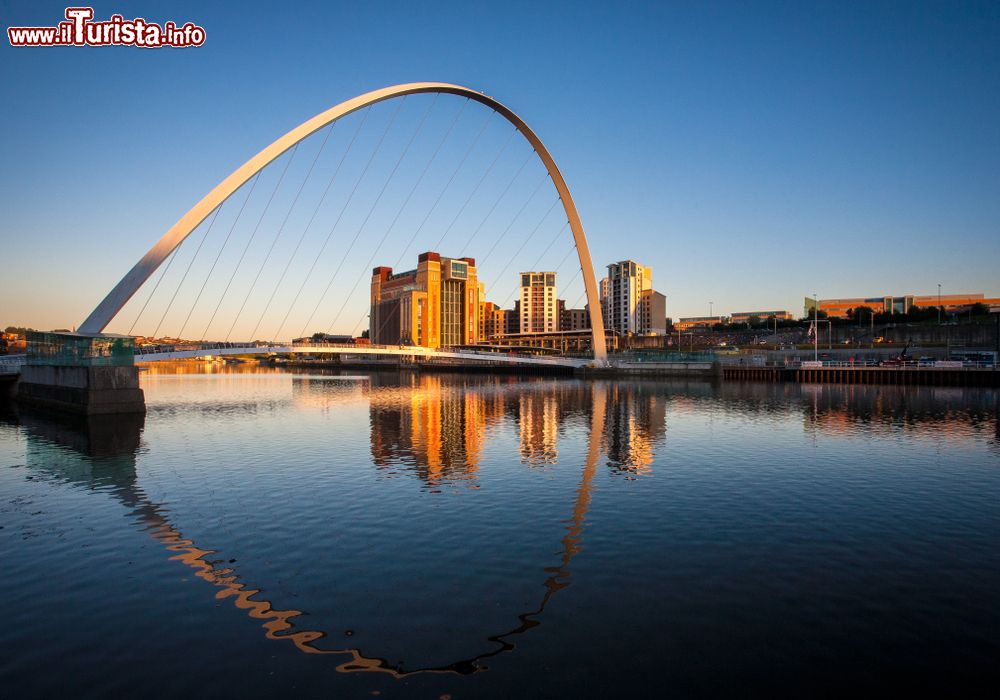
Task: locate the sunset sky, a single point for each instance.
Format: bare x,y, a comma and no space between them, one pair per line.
751,153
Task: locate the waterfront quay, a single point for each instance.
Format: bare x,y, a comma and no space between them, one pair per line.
835,373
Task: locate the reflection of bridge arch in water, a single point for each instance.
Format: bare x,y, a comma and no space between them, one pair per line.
280,625
109,307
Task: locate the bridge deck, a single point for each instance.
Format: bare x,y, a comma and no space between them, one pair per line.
229,349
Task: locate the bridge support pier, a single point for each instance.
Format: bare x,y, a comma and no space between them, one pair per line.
82,374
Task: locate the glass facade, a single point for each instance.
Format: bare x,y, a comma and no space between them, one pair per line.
420,321
452,312
75,350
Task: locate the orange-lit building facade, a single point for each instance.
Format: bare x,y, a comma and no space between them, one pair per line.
838,308
492,321
435,428
683,324
435,305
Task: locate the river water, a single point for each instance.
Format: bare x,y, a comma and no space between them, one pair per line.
262,532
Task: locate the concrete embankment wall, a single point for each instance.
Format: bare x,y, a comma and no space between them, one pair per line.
925,376
705,370
84,390
8,386
437,367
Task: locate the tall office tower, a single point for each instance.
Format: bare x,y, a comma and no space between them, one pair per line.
629,303
539,308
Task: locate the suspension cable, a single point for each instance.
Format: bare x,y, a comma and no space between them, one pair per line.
559,265
402,208
253,234
528,238
364,222
253,186
489,213
535,266
278,234
343,209
476,188
399,212
309,223
579,298
549,246
524,206
188,269
163,273
419,228
440,195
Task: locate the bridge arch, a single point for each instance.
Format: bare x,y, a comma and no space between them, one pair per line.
109,307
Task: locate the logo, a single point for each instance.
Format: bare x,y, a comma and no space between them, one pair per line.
79,29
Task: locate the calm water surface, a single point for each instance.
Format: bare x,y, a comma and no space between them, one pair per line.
262,532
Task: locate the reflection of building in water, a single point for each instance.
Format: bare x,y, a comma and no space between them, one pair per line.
438,429
634,424
538,427
327,392
950,414
106,449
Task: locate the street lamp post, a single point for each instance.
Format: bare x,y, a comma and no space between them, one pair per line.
939,303
815,327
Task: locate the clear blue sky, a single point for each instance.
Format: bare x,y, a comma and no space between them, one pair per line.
751,153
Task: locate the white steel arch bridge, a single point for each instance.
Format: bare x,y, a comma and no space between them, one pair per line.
407,351
130,284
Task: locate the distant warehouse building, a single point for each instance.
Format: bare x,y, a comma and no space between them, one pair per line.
838,308
745,316
683,324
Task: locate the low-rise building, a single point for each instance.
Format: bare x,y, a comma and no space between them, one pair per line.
683,324
838,308
492,322
575,320
747,316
